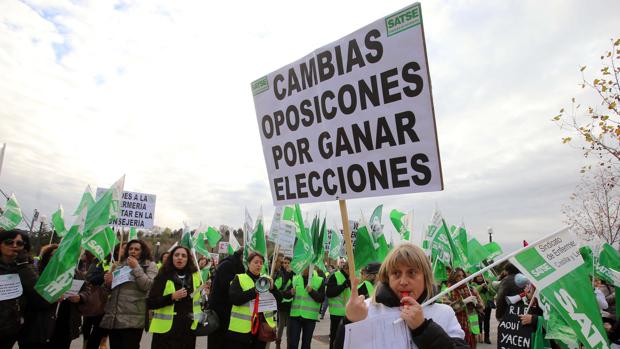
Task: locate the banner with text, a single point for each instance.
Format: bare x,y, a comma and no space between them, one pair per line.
137,209
352,119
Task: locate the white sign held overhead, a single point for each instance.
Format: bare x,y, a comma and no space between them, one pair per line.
137,209
353,118
222,247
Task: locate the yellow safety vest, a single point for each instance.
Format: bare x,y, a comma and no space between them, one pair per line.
303,305
338,304
162,317
241,315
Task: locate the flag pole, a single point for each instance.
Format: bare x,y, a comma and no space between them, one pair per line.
347,237
501,260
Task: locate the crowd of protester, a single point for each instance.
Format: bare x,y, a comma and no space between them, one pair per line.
254,305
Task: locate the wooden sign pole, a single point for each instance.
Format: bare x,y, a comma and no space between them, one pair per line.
347,237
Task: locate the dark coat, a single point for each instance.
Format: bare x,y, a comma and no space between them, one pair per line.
507,287
428,336
50,322
220,285
286,292
12,311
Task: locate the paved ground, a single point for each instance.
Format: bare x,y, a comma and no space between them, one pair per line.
320,340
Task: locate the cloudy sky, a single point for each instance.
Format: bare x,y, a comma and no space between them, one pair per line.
159,91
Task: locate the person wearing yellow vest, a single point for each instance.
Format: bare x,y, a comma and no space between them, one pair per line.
284,283
305,309
175,299
241,294
369,273
338,292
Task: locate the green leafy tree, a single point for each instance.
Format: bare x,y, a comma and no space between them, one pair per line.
598,125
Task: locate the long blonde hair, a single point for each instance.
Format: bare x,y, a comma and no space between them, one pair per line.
412,256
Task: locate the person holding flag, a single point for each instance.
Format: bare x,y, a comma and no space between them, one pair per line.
338,291
17,275
126,308
175,298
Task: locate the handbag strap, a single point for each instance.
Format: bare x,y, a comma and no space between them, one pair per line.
255,319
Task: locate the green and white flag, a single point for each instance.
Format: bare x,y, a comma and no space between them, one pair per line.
58,221
555,266
438,243
377,232
199,243
133,234
335,245
57,276
186,239
233,244
400,220
258,243
87,201
12,215
365,250
319,240
98,237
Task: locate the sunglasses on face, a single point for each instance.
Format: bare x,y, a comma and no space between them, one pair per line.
18,243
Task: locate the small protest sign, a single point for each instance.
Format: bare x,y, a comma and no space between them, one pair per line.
511,334
136,209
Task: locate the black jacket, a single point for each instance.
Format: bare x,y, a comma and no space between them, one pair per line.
12,311
220,285
507,287
428,336
285,292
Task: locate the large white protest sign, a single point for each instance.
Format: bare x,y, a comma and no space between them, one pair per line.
137,209
353,118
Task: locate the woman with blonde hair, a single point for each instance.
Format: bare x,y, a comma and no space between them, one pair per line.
404,282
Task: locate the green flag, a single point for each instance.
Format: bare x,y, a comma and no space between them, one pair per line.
57,276
101,244
556,328
493,249
319,237
58,222
12,215
398,220
87,201
365,246
186,239
335,245
555,266
476,253
213,236
438,241
103,210
303,252
133,234
198,242
377,232
97,236
258,242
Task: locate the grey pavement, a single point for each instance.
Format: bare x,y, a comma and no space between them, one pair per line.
320,340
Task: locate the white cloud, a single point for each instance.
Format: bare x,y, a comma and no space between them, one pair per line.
160,91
